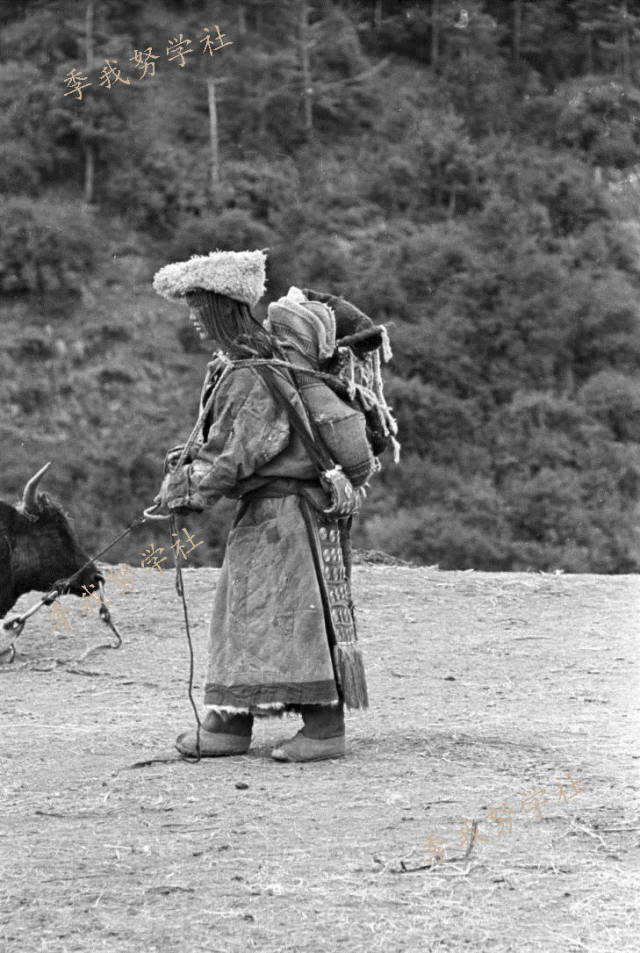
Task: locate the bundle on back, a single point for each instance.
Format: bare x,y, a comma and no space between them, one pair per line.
326,332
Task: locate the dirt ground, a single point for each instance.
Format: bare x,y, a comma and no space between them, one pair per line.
486,690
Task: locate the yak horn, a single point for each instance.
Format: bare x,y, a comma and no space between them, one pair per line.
30,490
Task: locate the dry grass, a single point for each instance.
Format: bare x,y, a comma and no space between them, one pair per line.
482,686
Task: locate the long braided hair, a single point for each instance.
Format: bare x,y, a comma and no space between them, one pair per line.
232,326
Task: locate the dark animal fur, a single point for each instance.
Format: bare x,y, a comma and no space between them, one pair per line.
35,554
354,328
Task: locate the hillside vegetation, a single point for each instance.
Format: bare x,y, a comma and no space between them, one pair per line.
465,175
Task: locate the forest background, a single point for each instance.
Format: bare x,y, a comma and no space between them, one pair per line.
466,173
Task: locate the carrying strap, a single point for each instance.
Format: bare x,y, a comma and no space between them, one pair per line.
305,428
344,499
207,404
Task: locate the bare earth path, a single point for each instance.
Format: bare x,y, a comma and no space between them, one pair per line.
482,687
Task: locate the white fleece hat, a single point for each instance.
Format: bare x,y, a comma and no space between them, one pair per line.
236,274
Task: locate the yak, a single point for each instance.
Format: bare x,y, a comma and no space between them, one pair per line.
39,549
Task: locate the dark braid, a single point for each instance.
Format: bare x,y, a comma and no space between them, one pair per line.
231,324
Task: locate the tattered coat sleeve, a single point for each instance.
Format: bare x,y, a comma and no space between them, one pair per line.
247,431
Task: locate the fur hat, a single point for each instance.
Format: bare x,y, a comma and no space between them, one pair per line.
236,274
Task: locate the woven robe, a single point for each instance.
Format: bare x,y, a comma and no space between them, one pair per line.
283,597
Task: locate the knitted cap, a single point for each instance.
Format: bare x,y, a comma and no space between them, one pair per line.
236,274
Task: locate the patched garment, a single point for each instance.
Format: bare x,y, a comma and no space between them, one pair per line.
283,597
268,641
247,439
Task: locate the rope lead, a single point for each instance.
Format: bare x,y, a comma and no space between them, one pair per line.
180,591
18,622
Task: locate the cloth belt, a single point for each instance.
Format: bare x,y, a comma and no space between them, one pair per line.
285,486
282,486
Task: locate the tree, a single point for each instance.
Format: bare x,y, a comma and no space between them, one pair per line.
305,66
466,173
89,147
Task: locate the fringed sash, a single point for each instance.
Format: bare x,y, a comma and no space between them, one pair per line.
330,545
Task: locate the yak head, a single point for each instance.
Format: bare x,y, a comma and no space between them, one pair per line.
42,547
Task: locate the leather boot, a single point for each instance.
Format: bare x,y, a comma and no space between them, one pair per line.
321,737
322,721
221,735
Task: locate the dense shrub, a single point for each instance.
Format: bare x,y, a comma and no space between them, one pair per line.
265,190
432,534
45,245
159,188
17,169
614,399
228,230
477,191
599,116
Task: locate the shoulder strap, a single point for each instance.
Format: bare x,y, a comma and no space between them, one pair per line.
344,501
206,405
305,429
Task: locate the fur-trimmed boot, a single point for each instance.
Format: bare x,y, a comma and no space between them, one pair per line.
322,736
221,735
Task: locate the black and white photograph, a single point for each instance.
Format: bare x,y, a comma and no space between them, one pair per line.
320,476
